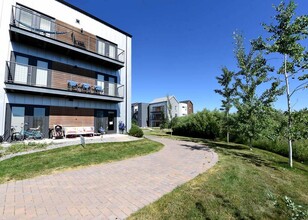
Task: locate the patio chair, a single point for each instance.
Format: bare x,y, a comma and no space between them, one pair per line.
85,87
98,89
72,85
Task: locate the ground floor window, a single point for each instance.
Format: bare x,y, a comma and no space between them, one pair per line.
23,117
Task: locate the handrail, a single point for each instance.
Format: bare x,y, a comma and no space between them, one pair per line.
65,34
18,73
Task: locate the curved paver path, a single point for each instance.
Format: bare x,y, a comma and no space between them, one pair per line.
107,191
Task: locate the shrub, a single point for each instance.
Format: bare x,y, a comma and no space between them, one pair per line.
280,146
135,131
205,124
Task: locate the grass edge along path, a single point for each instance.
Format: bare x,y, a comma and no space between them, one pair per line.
72,157
244,184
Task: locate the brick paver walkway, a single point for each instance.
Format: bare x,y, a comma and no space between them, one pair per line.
107,191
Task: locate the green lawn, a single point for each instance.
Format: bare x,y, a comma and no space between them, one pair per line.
47,162
244,184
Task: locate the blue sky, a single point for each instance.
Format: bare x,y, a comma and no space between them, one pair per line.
180,46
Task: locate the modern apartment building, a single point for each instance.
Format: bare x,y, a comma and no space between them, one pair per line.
182,109
152,114
186,108
162,108
140,114
62,65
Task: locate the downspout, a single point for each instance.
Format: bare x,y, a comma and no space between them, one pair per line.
126,120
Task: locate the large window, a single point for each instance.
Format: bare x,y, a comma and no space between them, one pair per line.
41,73
106,48
17,118
34,21
28,116
21,70
35,74
39,118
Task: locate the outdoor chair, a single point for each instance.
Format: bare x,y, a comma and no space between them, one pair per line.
98,89
72,85
85,87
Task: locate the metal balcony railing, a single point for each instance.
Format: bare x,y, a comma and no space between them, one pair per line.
21,74
34,22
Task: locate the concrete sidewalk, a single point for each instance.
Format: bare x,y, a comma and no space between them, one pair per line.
107,191
58,143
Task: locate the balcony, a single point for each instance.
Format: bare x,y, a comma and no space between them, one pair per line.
35,29
32,79
157,110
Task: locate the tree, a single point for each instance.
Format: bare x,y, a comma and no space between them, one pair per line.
286,37
227,92
251,104
171,120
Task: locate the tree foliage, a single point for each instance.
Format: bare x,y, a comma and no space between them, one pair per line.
286,36
204,124
252,105
227,92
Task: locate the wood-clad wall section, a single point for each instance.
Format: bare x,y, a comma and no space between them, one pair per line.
75,117
75,36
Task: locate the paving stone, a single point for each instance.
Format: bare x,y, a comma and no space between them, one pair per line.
106,191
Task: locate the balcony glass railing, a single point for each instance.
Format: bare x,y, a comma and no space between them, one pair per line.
55,29
23,74
157,109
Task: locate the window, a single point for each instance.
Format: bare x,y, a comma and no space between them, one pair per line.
34,21
101,47
106,48
112,86
21,70
35,74
41,73
38,118
18,118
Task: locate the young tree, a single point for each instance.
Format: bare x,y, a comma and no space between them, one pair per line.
251,104
227,92
286,37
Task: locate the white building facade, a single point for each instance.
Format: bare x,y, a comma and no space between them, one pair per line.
61,65
182,109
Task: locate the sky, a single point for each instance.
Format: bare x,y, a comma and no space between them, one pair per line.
180,46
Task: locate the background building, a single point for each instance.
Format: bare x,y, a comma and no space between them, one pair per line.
61,65
154,113
162,108
140,114
187,107
182,109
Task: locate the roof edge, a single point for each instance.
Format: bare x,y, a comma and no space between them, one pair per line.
93,17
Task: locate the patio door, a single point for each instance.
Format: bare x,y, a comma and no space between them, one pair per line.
17,118
41,73
21,70
39,118
112,86
111,121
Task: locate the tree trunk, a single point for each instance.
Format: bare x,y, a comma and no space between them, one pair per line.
250,143
289,111
228,126
228,137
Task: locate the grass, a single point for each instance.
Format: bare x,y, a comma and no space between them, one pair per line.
47,162
280,146
243,185
22,147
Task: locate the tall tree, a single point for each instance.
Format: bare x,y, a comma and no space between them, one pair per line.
287,34
227,92
251,102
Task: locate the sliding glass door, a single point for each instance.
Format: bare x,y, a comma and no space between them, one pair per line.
41,73
21,70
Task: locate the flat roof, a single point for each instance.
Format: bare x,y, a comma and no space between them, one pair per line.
92,16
